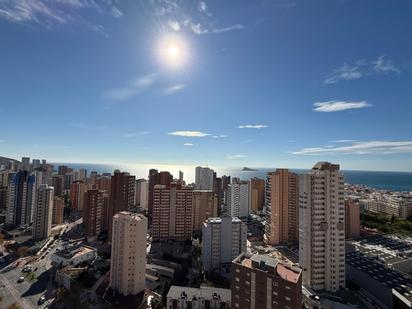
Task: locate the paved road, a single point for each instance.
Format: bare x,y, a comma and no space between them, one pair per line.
28,293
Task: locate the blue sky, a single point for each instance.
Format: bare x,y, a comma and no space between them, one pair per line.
257,83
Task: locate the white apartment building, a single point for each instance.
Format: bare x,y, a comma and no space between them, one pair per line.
237,197
322,227
204,178
142,193
43,211
128,260
223,239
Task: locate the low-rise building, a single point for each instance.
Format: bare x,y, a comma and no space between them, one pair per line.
204,297
74,256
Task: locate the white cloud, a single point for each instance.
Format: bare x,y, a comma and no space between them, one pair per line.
174,89
346,72
343,141
252,126
174,25
116,12
198,29
220,136
135,134
382,65
188,144
52,12
235,156
362,68
337,106
134,88
202,7
188,133
229,28
369,147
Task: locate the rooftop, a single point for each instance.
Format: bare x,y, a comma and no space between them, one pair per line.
182,292
392,279
73,252
271,265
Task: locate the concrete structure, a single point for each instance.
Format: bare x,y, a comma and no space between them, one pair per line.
3,197
142,193
78,189
172,212
393,251
204,178
93,213
183,297
257,194
156,178
121,195
25,162
352,220
237,198
260,281
282,207
204,206
58,184
74,255
20,201
396,204
388,288
322,227
222,240
102,183
58,210
42,214
128,259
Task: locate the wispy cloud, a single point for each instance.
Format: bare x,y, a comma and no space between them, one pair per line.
343,141
346,72
362,68
252,126
369,147
198,28
48,12
338,106
220,136
136,134
174,89
189,133
200,21
386,66
229,28
174,25
188,144
235,156
132,89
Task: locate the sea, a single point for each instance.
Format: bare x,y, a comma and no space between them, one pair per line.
395,181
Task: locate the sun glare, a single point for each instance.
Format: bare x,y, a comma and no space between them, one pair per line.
172,51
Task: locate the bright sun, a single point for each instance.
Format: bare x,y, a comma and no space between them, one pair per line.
172,51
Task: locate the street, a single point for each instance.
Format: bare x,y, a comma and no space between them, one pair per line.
36,284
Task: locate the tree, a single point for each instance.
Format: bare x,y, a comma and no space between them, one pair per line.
22,251
156,302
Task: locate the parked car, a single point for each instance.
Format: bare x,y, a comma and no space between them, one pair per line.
20,280
42,299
